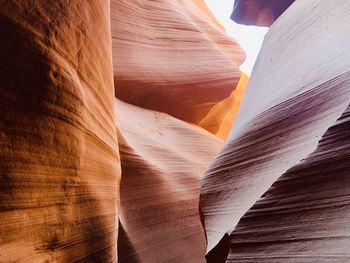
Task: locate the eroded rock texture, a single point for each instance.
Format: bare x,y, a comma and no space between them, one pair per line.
172,63
171,57
304,216
59,159
298,90
162,161
259,12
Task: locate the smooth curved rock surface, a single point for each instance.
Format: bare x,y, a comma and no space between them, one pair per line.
259,12
162,162
298,89
59,161
171,57
220,119
304,216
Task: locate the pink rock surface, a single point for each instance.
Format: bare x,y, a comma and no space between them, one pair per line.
171,57
162,161
298,90
304,216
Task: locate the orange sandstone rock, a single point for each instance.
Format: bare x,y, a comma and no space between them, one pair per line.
59,160
221,117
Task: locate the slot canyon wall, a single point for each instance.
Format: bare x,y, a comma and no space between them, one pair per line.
156,82
111,111
278,190
178,88
59,159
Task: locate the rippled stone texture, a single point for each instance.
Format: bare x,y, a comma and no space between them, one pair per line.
162,161
259,12
59,160
171,57
298,90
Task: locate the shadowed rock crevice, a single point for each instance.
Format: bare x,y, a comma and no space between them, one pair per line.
126,251
220,252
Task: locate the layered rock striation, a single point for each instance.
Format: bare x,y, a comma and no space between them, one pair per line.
172,57
59,160
283,168
175,69
162,159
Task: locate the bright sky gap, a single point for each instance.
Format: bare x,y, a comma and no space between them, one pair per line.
249,37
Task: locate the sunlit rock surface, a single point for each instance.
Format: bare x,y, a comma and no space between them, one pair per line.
288,129
221,117
170,56
162,161
59,161
172,63
259,12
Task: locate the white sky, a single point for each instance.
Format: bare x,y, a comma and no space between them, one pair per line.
249,37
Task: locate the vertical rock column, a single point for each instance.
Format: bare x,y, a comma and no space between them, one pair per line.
59,163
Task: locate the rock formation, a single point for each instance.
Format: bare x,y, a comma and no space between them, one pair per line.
259,12
58,149
221,117
172,58
172,63
162,161
292,128
277,191
62,63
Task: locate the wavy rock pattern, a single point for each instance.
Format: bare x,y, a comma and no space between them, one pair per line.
304,217
162,161
59,160
294,96
172,58
259,12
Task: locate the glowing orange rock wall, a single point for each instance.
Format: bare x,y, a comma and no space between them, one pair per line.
221,117
59,160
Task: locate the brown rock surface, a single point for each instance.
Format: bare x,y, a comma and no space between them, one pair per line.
259,12
162,161
59,161
298,90
171,57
